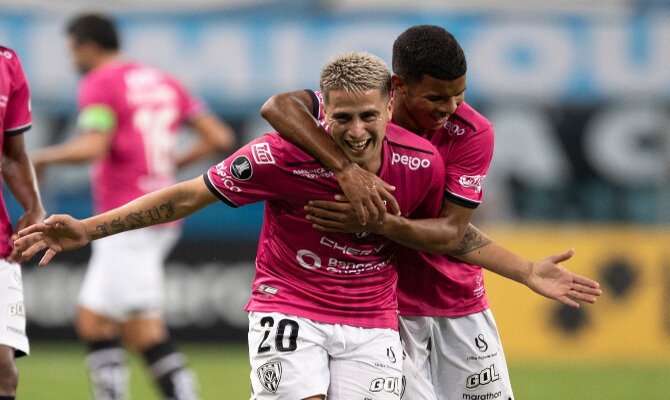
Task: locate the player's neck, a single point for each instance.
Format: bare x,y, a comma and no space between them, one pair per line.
106,58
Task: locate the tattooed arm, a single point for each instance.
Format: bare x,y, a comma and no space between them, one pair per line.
546,277
62,232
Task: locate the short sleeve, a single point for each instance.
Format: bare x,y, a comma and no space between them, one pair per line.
253,173
191,107
17,116
468,165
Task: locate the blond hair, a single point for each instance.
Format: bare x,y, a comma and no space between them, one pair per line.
355,72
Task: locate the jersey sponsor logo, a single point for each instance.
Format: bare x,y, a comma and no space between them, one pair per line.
310,260
413,163
241,168
262,153
226,179
361,235
3,101
481,343
350,250
270,375
472,182
453,129
393,385
486,376
314,173
7,54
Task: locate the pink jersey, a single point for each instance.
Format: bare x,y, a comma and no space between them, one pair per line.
14,119
441,286
149,106
345,279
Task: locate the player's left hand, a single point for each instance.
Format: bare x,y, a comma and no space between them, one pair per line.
548,278
336,216
30,217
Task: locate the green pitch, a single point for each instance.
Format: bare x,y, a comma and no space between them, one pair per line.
55,372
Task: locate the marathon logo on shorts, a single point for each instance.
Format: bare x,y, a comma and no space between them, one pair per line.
241,169
472,181
270,375
262,153
487,396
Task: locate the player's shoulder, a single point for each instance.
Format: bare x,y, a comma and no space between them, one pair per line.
467,121
9,57
271,148
402,141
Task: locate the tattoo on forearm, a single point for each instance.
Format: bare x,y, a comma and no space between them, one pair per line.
102,230
472,240
116,225
154,214
168,209
134,220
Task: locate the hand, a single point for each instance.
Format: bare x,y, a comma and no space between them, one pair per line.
367,194
335,216
548,278
57,233
29,218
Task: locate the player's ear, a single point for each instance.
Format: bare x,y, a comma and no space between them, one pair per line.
398,84
390,107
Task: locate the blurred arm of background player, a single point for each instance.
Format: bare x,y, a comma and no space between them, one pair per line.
291,114
214,135
18,174
94,140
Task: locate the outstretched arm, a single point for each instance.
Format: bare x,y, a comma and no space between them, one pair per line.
62,232
452,234
291,115
546,277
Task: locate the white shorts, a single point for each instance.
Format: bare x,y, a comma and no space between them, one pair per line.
293,358
458,358
124,278
12,309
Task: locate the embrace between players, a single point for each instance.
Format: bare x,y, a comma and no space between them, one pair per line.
369,186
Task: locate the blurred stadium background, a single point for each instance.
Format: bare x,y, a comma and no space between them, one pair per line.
579,93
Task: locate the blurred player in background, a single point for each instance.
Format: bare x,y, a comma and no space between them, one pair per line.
129,118
446,324
18,175
323,310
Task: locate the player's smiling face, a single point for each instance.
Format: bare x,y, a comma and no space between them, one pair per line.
357,124
426,105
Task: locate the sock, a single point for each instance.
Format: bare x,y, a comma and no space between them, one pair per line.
107,370
168,368
7,398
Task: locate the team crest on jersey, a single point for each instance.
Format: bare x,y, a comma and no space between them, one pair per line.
472,181
270,375
241,168
262,153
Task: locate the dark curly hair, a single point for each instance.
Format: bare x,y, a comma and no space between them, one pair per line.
94,28
428,49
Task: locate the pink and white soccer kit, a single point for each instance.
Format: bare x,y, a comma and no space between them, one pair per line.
312,287
14,120
125,274
447,328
